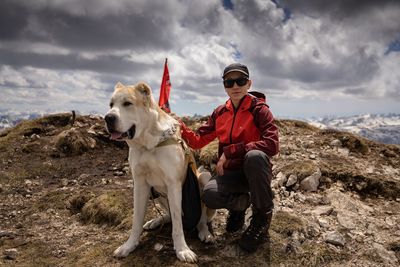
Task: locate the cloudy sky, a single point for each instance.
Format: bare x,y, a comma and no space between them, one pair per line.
311,57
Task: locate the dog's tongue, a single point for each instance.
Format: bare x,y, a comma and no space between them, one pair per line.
115,135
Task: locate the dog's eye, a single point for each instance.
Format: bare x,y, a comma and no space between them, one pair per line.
111,104
126,103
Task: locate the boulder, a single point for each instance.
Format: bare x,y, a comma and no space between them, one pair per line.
311,183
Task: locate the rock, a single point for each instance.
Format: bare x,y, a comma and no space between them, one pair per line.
344,151
58,253
346,220
286,193
8,234
83,176
312,156
299,197
281,178
64,182
294,244
291,180
126,169
313,229
311,182
34,136
336,143
323,223
387,256
10,254
323,210
274,184
335,238
158,247
390,221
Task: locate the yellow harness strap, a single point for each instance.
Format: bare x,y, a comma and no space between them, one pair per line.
189,157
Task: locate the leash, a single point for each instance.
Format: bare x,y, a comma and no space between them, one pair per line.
159,212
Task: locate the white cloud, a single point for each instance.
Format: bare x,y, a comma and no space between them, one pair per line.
73,52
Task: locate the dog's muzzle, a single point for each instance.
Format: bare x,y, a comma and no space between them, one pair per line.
111,120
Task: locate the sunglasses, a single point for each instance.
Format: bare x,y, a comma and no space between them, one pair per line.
239,81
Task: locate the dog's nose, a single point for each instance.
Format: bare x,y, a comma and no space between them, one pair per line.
110,119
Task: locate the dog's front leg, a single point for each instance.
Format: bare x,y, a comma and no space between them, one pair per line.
202,227
183,252
140,197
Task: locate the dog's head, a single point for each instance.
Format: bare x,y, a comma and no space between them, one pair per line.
130,108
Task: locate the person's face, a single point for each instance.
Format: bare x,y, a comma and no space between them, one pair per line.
236,92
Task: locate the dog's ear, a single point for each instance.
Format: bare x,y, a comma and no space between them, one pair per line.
145,91
119,85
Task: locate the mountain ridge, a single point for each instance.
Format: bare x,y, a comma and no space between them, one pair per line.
66,200
383,128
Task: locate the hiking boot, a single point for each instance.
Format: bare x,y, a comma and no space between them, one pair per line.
235,221
257,232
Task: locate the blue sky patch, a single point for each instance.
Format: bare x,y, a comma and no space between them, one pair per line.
394,46
227,4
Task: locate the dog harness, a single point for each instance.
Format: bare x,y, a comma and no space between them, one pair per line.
169,137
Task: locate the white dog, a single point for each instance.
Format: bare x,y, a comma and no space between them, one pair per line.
136,118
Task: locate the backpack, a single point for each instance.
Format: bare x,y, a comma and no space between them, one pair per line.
191,201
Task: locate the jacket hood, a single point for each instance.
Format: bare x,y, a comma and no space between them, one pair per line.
258,95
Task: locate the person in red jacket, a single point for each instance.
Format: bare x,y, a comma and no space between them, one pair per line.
248,138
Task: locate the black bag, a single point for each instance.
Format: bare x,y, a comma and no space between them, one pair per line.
191,201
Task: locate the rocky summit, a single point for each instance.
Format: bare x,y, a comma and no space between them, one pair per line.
66,200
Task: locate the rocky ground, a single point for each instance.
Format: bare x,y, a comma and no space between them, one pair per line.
65,200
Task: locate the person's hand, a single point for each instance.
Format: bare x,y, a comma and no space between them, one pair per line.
220,165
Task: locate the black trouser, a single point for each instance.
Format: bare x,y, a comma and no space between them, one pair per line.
254,177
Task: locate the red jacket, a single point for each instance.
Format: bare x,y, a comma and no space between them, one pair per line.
250,127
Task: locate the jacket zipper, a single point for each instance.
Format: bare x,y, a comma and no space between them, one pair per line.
234,117
233,122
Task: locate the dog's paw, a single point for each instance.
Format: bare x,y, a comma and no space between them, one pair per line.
186,255
206,237
124,250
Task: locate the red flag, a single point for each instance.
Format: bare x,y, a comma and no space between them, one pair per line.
164,90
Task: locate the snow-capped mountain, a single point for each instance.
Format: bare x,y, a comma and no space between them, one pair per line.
9,119
383,128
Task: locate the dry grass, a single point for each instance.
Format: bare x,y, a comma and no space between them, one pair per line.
54,200
354,143
209,154
74,142
302,169
110,208
286,224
